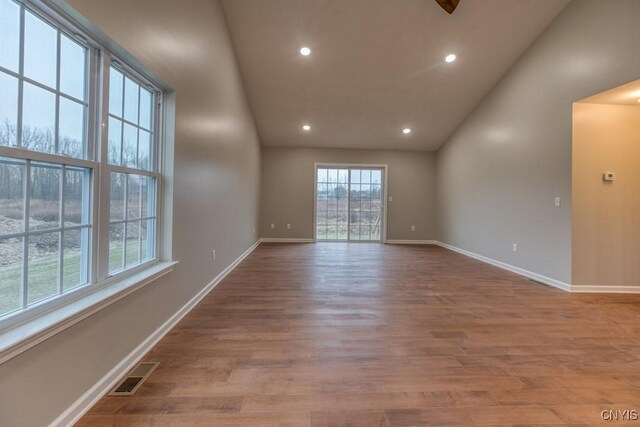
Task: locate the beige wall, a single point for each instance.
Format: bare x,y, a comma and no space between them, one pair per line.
288,189
499,173
216,186
606,215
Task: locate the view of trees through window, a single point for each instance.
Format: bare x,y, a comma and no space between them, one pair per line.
132,220
44,207
132,213
349,204
53,156
50,224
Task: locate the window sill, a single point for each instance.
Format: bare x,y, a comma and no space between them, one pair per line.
23,336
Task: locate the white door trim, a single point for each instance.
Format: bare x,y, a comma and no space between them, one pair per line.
385,170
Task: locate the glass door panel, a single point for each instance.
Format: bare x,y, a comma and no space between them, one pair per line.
349,204
332,204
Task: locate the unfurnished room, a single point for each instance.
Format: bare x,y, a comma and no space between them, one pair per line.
315,213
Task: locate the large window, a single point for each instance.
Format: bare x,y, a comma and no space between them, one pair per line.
57,232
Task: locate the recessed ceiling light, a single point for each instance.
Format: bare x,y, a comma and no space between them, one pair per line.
306,128
406,131
305,51
450,58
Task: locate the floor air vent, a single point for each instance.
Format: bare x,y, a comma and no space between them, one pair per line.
134,380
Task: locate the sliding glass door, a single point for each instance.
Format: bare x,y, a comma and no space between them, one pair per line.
349,203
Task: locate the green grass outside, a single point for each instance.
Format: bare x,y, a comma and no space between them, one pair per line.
43,275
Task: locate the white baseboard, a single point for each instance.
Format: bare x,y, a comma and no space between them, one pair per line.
535,276
607,289
410,242
284,240
106,383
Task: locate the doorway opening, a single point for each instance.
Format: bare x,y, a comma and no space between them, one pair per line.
606,191
350,203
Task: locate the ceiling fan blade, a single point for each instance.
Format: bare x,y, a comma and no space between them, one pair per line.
448,5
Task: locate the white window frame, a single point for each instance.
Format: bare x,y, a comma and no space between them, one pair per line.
107,168
23,328
349,166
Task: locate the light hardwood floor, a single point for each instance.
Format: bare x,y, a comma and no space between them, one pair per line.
336,334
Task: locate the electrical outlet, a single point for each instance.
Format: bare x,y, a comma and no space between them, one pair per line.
273,226
557,202
413,228
214,254
288,226
515,247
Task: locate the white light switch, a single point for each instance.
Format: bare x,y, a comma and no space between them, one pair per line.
273,226
557,202
391,198
413,228
515,247
288,226
609,176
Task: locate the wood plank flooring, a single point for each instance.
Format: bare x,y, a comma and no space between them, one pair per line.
337,334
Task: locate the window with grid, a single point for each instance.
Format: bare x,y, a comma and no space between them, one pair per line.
55,156
132,218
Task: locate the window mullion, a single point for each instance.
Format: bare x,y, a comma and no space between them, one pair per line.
89,238
102,181
122,221
348,203
138,131
39,232
20,81
21,153
61,233
126,221
56,130
154,237
155,155
140,206
123,169
124,82
25,249
90,104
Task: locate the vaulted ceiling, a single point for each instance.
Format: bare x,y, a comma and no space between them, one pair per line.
376,66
